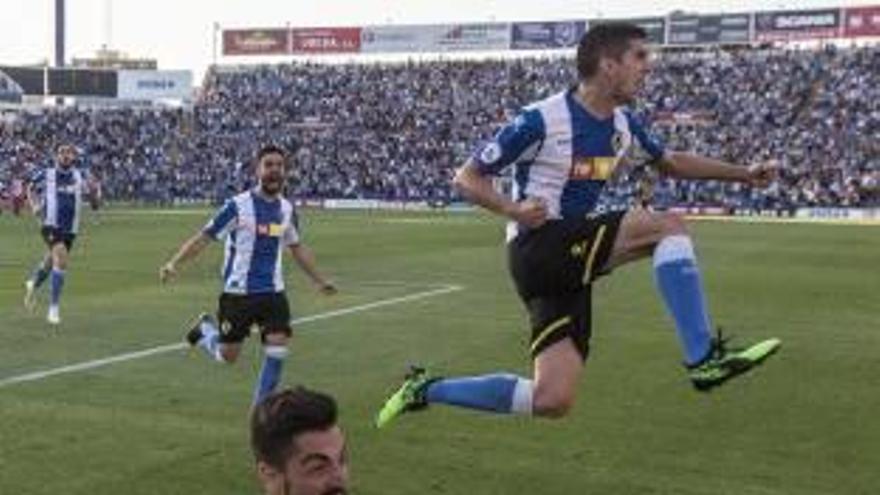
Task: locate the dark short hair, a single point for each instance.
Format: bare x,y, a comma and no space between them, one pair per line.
605,40
268,149
281,417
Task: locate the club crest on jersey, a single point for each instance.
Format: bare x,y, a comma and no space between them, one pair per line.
491,153
593,168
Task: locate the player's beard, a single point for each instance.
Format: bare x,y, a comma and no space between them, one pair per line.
271,186
332,491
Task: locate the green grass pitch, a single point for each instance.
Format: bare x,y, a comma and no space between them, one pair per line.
806,423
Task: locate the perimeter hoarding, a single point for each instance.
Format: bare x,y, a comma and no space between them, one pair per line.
256,42
709,29
436,38
862,21
546,35
149,85
792,25
655,27
325,40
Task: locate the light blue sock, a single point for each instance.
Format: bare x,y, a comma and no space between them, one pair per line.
210,341
679,282
270,372
500,393
39,275
57,286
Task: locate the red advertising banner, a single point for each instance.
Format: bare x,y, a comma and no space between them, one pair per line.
862,21
255,42
326,40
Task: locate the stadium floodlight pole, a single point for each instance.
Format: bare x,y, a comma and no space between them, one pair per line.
59,33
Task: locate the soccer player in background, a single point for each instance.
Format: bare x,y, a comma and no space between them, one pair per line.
257,225
563,149
61,188
298,447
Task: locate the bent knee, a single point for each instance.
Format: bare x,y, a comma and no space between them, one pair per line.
229,355
552,405
673,224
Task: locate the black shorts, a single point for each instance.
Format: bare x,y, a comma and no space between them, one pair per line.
53,236
238,313
553,268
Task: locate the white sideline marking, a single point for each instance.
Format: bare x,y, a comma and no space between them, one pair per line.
129,356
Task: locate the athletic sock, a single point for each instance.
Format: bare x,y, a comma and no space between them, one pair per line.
57,286
39,275
270,372
500,393
210,341
680,284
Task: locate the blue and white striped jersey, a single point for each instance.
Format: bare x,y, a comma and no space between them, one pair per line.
562,154
61,192
256,231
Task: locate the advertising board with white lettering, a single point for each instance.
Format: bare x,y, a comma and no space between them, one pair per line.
148,85
655,27
792,25
546,35
709,29
862,21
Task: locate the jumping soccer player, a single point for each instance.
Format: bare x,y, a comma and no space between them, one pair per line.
563,150
257,225
61,189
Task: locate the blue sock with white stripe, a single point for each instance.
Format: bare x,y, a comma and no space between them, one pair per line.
57,286
500,393
39,275
210,341
270,372
680,284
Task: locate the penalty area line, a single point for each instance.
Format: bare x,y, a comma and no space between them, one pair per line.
162,349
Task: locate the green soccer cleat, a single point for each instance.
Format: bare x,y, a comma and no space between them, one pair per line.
724,363
408,398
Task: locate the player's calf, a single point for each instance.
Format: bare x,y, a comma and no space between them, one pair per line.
557,373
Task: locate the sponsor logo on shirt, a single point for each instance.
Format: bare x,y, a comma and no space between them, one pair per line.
271,230
593,168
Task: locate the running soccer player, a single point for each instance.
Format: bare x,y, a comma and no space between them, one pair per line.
257,225
563,150
61,188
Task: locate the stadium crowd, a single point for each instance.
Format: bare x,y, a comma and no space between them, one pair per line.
397,131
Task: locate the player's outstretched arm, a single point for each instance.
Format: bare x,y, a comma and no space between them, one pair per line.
33,199
477,188
305,259
189,250
690,166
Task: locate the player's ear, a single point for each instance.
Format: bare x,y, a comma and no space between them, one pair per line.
270,477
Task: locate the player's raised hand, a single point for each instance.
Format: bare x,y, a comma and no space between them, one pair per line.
762,174
531,212
167,272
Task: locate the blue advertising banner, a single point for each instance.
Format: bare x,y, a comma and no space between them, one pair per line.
546,35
